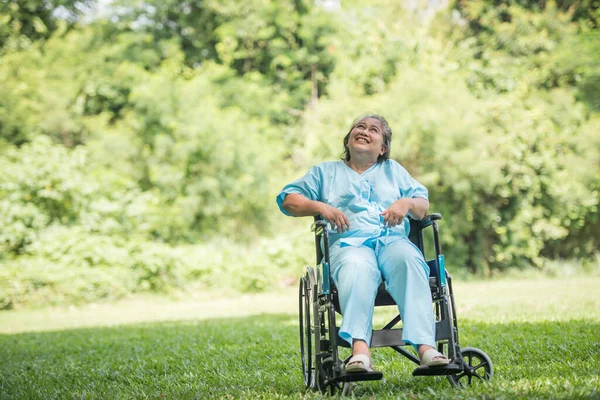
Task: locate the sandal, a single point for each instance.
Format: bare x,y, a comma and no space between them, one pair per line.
359,363
433,358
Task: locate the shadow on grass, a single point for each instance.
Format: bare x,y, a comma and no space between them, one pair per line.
258,357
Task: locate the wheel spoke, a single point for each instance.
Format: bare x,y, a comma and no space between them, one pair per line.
486,374
481,364
478,376
460,376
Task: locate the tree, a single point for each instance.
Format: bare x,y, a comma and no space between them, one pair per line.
23,22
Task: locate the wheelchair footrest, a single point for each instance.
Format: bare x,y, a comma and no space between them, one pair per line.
360,376
449,369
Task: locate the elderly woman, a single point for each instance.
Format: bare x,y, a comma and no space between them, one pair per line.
365,198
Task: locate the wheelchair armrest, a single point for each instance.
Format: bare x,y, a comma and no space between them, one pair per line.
428,220
319,225
422,223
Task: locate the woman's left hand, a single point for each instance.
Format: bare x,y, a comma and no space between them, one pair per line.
395,214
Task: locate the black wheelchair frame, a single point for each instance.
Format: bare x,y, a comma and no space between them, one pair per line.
319,334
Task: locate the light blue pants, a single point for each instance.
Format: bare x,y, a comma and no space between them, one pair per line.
357,273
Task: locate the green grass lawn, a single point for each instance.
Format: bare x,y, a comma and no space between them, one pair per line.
542,335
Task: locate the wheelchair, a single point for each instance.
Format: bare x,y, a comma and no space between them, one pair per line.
319,335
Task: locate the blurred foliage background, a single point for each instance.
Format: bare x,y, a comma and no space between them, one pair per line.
143,142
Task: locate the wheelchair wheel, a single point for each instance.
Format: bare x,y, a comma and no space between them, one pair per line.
478,368
307,349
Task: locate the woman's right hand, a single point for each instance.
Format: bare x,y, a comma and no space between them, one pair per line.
335,217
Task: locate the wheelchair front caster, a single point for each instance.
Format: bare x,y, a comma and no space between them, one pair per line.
324,376
476,365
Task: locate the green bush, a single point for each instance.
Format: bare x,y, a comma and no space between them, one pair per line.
71,265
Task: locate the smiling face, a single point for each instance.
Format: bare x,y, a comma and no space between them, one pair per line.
367,138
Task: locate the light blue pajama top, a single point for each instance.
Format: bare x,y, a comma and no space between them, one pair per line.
361,197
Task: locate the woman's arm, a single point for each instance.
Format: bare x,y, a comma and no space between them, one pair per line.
418,208
415,207
300,206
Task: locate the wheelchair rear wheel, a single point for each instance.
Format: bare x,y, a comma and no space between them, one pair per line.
307,350
477,365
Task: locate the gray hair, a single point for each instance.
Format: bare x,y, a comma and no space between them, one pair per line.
387,137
